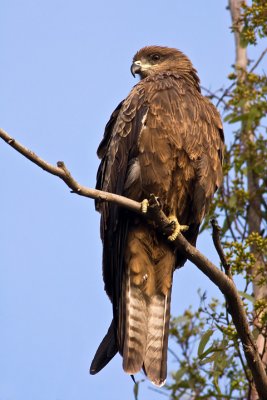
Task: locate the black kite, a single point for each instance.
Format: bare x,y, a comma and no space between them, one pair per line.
165,138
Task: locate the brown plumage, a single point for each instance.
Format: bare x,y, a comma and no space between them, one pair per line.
165,138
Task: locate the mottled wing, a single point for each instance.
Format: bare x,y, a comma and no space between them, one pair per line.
117,149
182,151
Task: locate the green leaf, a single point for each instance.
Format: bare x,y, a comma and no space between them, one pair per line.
184,384
232,118
179,374
229,117
136,390
209,359
211,349
216,382
247,296
203,342
243,42
181,319
232,201
243,117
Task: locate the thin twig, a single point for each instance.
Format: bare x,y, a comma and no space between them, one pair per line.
244,366
159,391
215,96
218,246
173,354
225,93
227,216
258,61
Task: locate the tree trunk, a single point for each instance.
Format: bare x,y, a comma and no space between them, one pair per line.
254,218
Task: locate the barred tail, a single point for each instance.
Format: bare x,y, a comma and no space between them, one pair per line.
155,360
145,308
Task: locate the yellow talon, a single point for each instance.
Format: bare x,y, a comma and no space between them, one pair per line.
144,206
177,227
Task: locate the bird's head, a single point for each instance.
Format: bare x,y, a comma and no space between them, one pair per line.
152,60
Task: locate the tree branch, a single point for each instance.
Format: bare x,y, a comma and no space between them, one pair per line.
218,246
220,279
258,61
213,95
247,138
63,173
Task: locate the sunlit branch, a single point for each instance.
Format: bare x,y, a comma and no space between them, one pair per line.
155,213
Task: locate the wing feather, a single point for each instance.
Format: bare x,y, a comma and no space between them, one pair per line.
118,149
164,138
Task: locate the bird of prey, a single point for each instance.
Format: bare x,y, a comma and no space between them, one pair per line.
165,138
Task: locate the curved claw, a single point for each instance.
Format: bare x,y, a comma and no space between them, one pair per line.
177,227
144,206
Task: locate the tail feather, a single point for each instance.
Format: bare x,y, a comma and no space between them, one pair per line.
155,360
140,327
146,336
106,351
135,328
145,307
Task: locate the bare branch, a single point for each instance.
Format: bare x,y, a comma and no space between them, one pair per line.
225,93
63,173
219,278
213,95
254,210
258,61
218,246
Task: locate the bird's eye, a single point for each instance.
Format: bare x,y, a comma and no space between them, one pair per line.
155,57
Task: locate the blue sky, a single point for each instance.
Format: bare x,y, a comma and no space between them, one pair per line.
65,65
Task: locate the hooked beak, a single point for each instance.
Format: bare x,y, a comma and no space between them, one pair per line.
135,68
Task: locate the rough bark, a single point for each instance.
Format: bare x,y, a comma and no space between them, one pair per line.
254,218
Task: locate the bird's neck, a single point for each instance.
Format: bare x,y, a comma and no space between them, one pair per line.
188,75
192,78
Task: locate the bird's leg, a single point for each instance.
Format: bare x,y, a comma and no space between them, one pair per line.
144,206
177,227
173,221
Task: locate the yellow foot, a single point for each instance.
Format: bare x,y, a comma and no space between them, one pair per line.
144,206
177,227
